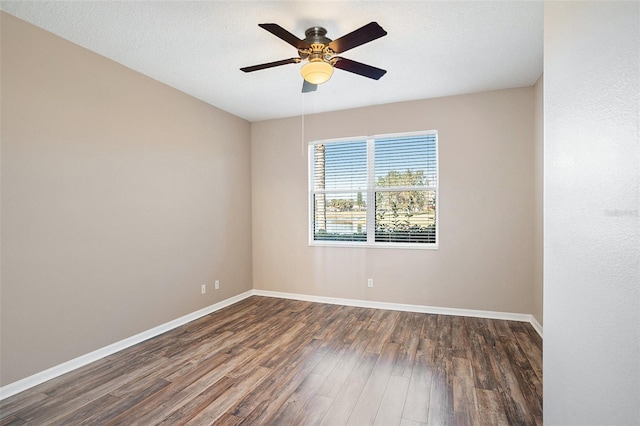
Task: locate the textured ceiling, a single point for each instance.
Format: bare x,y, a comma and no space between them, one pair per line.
432,49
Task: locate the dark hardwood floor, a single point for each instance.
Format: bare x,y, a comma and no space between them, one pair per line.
276,361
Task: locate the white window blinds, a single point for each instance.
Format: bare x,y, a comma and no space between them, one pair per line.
378,191
340,191
405,189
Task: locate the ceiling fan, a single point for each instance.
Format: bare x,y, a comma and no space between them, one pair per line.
319,53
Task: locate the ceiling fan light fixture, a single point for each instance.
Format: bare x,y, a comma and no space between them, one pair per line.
318,53
316,71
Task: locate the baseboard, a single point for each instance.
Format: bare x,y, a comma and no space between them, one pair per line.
406,308
66,367
536,325
53,372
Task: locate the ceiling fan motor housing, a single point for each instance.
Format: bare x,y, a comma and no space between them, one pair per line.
320,50
316,35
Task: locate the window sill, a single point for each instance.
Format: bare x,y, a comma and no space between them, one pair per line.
355,244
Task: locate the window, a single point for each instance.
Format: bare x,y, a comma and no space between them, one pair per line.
377,191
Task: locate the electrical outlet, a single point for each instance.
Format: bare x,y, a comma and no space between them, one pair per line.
370,282
217,285
203,288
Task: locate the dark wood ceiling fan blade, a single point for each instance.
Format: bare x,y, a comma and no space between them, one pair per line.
285,35
362,35
308,87
271,64
359,68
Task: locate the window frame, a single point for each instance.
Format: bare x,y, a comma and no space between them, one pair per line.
371,191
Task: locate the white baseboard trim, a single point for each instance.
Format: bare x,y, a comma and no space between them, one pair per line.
406,308
66,367
53,372
536,325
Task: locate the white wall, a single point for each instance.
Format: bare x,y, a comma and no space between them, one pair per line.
591,213
485,260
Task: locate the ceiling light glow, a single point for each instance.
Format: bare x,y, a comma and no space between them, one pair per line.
317,71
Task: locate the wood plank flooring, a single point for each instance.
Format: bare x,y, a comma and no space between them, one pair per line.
276,361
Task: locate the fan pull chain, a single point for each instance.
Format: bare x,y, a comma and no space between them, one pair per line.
303,144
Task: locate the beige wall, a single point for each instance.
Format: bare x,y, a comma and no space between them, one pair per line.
538,163
485,260
120,197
